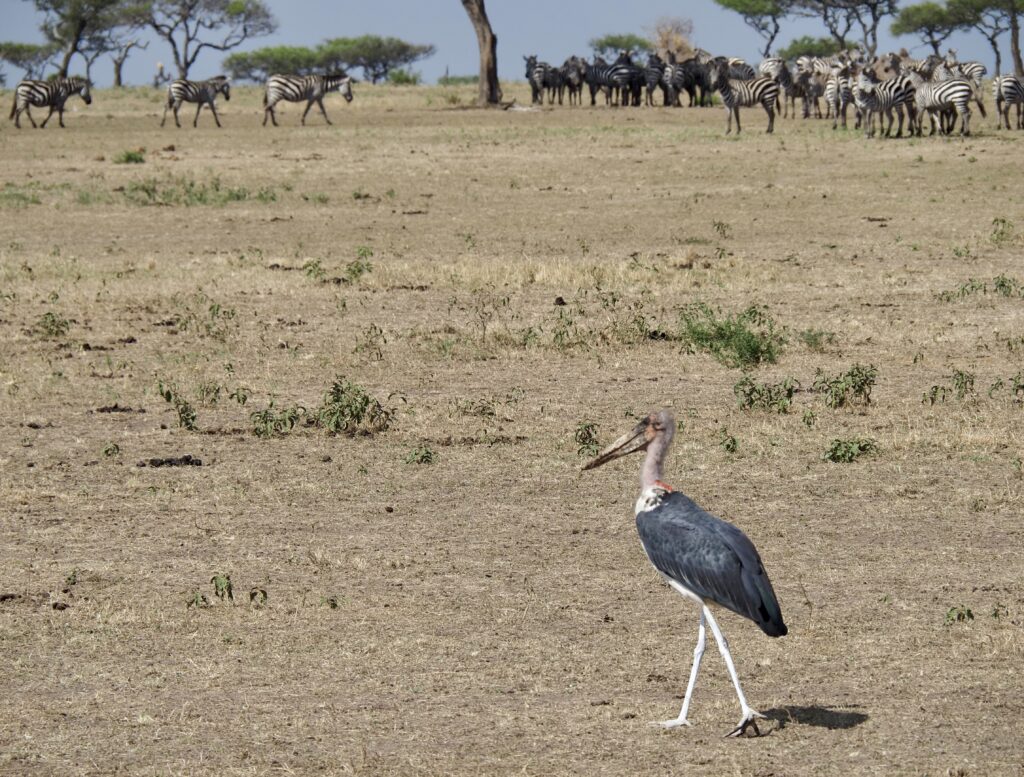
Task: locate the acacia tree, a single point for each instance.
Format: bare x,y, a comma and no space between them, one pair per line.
33,58
610,45
76,26
931,22
840,17
189,26
119,55
808,46
834,14
376,56
763,16
869,14
490,91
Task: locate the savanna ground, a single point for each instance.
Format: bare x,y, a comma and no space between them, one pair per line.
452,594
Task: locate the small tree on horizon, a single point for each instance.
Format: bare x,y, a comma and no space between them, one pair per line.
609,46
33,58
376,56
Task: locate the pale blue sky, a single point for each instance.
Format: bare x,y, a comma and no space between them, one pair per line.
552,29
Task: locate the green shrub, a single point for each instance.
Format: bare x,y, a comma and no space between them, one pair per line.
348,409
846,451
744,340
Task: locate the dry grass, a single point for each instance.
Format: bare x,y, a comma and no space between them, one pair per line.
492,612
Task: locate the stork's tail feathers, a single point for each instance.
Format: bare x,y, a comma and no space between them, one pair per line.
768,614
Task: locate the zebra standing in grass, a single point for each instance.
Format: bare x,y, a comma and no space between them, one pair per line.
839,95
573,78
1008,90
939,98
737,94
199,92
312,89
776,69
654,75
47,94
535,74
873,96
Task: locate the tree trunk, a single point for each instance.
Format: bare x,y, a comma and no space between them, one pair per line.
118,66
489,91
66,62
1018,66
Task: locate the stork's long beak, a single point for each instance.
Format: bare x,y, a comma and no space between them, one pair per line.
630,442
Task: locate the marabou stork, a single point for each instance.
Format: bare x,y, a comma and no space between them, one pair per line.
702,557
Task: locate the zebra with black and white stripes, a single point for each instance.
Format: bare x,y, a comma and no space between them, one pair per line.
938,98
743,94
654,75
312,89
778,70
536,73
47,94
839,95
879,98
1008,90
199,92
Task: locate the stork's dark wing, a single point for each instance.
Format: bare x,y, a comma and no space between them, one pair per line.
710,557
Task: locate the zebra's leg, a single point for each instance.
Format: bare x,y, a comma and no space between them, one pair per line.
965,120
164,119
213,110
195,121
320,102
309,104
60,116
769,108
737,111
981,108
52,109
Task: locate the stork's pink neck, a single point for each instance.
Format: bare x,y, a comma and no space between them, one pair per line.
650,473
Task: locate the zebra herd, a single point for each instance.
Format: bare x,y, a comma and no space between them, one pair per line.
54,93
884,89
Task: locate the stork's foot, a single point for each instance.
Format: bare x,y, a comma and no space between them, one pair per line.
749,720
671,724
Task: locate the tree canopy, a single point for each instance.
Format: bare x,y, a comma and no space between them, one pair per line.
931,22
810,46
376,56
33,58
609,46
189,26
763,16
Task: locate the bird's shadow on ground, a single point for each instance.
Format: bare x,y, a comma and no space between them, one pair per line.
822,717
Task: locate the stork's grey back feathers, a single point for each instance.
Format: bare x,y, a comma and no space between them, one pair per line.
710,557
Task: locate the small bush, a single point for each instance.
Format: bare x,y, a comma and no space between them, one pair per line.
274,423
51,325
744,340
848,387
403,77
586,439
136,157
186,412
846,451
765,396
421,454
817,339
348,409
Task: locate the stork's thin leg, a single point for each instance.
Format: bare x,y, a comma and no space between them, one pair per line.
698,653
749,713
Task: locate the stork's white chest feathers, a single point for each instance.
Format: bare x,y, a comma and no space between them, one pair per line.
650,498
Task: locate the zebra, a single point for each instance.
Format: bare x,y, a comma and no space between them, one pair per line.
690,76
654,76
739,70
1008,90
937,98
573,76
873,96
969,71
737,94
839,95
620,78
295,89
535,73
555,84
199,92
777,69
50,94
